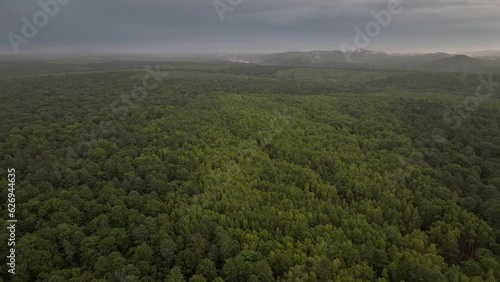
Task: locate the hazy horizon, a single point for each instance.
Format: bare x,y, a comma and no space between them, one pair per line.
144,53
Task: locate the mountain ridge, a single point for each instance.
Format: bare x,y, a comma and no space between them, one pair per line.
438,61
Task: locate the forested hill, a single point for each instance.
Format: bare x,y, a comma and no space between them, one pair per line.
196,172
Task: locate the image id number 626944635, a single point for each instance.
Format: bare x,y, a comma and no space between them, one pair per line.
11,221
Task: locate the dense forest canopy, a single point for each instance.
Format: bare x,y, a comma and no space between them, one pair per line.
207,172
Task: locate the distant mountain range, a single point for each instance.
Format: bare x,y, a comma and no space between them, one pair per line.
488,53
482,61
440,62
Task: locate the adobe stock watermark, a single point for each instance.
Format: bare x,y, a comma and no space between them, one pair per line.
30,28
224,6
382,19
455,116
140,92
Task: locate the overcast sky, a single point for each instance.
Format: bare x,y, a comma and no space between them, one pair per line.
251,26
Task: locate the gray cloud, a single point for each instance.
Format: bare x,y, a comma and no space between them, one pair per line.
254,25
